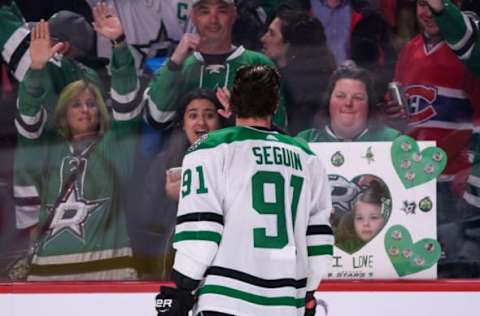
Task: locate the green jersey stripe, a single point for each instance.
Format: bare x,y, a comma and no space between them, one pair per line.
198,235
320,250
252,298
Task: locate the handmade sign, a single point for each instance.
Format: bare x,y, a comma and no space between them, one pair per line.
384,198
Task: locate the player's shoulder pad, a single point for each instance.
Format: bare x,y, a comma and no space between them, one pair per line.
213,139
236,134
297,142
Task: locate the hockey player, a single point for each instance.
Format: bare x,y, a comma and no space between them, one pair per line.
253,234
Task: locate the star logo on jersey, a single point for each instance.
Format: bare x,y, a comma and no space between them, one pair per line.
214,69
72,213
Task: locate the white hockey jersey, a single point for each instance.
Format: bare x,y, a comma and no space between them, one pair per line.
149,25
253,222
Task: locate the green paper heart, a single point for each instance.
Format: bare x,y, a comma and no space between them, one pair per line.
415,167
408,257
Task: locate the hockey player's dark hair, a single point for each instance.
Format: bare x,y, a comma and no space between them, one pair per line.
255,91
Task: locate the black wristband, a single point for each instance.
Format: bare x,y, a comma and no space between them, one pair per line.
183,282
119,40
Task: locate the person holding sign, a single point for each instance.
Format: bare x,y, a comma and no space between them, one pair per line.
352,114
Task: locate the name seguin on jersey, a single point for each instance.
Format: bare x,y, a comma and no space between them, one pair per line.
273,155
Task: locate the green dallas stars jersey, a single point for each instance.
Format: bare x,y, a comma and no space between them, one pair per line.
168,86
14,46
253,222
87,237
369,135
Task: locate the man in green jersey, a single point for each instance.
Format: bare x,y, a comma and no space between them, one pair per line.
207,59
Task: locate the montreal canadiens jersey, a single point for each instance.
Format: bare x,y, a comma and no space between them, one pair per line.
444,100
253,222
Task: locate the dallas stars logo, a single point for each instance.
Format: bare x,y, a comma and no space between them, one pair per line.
72,213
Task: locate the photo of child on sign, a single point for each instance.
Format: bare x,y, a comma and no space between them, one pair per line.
366,219
384,208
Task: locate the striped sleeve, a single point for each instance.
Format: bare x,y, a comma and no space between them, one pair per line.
461,32
463,36
14,40
125,90
27,205
161,97
26,181
200,215
35,92
319,233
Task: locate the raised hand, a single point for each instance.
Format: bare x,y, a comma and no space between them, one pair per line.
436,5
107,22
223,95
187,45
41,49
394,113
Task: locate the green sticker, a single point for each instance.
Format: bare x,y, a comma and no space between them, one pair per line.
415,167
425,204
337,159
408,257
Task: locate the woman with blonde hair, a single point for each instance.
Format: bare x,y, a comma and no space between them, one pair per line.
72,176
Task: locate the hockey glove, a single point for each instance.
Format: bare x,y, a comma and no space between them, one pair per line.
173,302
310,304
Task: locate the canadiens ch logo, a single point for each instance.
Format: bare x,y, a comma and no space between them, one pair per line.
72,213
420,102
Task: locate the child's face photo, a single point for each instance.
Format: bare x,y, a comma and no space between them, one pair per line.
368,220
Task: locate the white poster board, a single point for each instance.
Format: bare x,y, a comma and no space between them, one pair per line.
389,253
